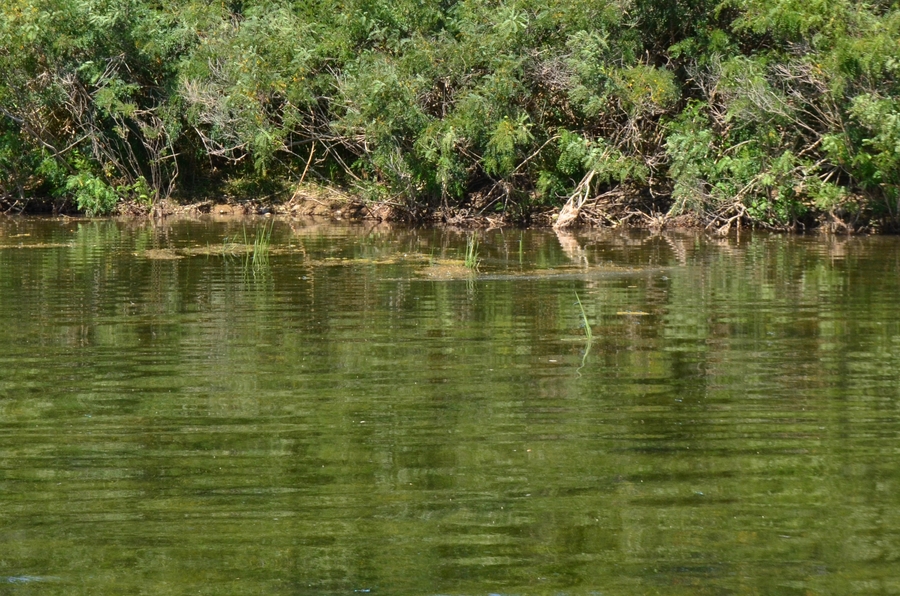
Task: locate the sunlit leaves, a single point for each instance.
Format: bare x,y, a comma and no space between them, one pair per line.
774,108
506,139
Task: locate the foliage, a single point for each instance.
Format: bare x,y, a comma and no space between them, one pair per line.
92,195
774,112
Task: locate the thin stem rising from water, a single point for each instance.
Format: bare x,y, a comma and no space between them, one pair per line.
588,334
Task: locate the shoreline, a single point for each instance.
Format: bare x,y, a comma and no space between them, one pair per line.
616,209
344,207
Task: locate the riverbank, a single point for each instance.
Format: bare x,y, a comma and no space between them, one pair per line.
618,208
332,204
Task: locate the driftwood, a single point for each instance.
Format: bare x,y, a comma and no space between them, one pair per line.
568,215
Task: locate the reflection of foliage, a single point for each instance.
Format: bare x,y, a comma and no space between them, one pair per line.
760,394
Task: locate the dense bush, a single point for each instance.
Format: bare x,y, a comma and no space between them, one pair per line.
772,112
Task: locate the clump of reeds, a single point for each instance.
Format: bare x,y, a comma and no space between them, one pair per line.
253,252
259,251
472,260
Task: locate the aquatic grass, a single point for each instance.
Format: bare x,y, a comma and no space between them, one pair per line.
261,245
472,261
588,334
253,253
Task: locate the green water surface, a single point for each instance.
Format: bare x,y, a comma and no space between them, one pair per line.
352,410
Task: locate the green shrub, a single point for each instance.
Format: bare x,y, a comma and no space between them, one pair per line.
92,195
779,111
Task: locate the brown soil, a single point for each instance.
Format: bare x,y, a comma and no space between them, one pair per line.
621,207
308,201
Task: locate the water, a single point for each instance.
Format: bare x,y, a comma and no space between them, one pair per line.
357,412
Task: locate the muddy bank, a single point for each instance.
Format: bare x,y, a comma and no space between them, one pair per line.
311,201
615,209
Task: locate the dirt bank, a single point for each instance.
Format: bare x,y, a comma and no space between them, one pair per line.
312,201
613,209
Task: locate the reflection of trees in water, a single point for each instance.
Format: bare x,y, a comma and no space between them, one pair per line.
404,427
